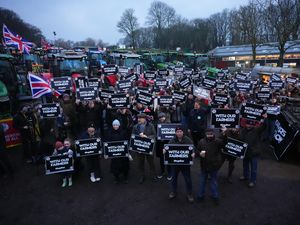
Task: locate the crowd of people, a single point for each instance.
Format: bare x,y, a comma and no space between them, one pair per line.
96,118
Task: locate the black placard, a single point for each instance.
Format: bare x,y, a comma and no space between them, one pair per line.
138,68
87,147
284,136
201,92
220,99
163,72
188,72
115,149
119,101
275,77
105,93
265,89
291,80
273,109
141,145
61,84
131,76
150,75
110,69
241,76
144,98
179,96
276,84
208,82
142,89
50,110
235,148
253,111
93,82
263,95
185,82
178,154
178,70
124,85
80,82
225,118
165,100
220,85
161,83
243,85
58,164
166,131
88,93
123,70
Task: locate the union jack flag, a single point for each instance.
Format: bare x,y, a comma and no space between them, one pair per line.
40,87
16,40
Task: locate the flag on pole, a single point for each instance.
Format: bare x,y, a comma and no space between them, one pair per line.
39,86
45,45
11,39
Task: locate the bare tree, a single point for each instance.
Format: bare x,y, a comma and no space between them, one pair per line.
160,16
252,26
284,17
129,25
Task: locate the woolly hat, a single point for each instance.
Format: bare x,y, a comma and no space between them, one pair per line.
58,145
116,123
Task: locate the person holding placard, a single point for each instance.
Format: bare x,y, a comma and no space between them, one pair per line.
181,138
209,149
145,129
118,166
92,161
251,135
64,149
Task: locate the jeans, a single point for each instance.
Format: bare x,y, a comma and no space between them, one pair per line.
186,172
250,168
213,183
141,164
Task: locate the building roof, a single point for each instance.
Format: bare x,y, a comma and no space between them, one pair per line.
278,70
243,50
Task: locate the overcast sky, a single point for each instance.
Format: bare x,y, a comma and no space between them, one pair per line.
78,19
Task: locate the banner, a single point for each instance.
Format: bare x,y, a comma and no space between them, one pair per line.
141,145
235,148
85,94
165,100
110,69
263,95
160,84
59,164
220,99
243,85
201,92
178,154
150,75
119,101
115,149
124,71
124,85
253,111
93,82
105,93
144,98
284,136
61,84
225,117
80,82
50,110
166,131
87,147
179,96
12,136
276,84
208,82
185,82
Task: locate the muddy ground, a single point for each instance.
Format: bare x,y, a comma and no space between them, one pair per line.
32,198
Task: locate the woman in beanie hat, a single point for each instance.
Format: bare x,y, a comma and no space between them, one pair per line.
118,166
